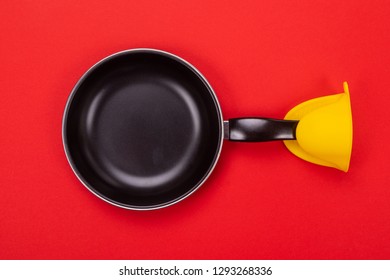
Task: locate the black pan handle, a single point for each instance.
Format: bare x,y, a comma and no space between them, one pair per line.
259,129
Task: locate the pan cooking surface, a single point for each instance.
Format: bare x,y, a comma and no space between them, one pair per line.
142,129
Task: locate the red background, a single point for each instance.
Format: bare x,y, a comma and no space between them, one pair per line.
262,58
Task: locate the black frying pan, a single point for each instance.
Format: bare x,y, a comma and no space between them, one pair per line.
143,129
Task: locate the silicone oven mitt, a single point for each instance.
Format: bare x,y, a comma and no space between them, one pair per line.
324,131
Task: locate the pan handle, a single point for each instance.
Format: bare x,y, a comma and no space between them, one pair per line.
259,129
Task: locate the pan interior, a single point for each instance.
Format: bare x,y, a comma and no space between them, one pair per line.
142,129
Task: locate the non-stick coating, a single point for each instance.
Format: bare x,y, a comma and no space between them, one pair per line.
142,129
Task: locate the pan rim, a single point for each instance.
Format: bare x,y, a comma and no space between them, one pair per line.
90,187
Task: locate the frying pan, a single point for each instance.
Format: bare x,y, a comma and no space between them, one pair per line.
143,129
